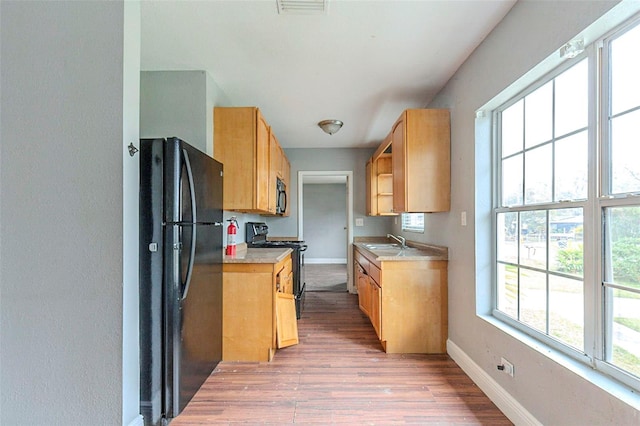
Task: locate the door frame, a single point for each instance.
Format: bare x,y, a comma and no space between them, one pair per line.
348,174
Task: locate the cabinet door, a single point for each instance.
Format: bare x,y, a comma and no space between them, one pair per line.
234,146
398,161
376,300
286,323
427,161
262,165
364,291
422,161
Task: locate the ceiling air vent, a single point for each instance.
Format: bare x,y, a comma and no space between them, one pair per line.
302,7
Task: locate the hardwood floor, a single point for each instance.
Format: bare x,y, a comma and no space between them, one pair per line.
338,374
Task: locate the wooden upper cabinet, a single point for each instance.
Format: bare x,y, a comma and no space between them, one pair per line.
241,143
421,161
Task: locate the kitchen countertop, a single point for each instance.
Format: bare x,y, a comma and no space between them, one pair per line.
257,255
414,251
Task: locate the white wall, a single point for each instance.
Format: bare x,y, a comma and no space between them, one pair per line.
553,394
61,213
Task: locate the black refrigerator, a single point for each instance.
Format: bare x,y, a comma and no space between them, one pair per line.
180,274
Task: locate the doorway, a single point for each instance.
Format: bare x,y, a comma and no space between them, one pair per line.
325,223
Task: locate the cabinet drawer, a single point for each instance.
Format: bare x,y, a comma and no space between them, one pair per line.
362,261
374,273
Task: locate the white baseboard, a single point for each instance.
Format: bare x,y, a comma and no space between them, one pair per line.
138,421
325,260
496,393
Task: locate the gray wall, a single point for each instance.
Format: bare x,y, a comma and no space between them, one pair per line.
325,219
179,103
61,214
331,159
552,393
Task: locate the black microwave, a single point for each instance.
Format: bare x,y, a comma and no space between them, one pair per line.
281,196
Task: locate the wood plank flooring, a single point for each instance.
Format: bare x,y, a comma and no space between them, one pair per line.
338,374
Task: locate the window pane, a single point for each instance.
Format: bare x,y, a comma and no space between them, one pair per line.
537,178
623,323
508,289
571,164
566,310
512,181
625,153
512,129
622,245
571,99
625,68
538,108
508,237
533,299
413,222
533,239
566,252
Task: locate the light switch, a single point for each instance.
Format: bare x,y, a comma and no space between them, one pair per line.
463,218
359,221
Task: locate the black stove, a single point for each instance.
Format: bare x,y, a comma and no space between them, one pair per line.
256,237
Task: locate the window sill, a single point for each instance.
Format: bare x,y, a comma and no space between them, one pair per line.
614,388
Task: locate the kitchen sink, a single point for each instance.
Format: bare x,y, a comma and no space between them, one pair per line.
382,246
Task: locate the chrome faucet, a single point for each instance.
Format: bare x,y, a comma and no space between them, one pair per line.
399,239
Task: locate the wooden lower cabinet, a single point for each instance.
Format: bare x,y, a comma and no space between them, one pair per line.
249,309
406,302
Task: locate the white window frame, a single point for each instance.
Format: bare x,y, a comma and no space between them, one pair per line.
593,352
413,222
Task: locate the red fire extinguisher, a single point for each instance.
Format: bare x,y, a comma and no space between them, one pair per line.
232,230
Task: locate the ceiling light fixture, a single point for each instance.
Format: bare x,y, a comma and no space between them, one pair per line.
330,126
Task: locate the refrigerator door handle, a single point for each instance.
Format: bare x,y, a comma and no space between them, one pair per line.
192,253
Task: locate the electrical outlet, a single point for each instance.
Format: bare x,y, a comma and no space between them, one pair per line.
507,367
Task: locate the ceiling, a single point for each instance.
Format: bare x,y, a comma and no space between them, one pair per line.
362,62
